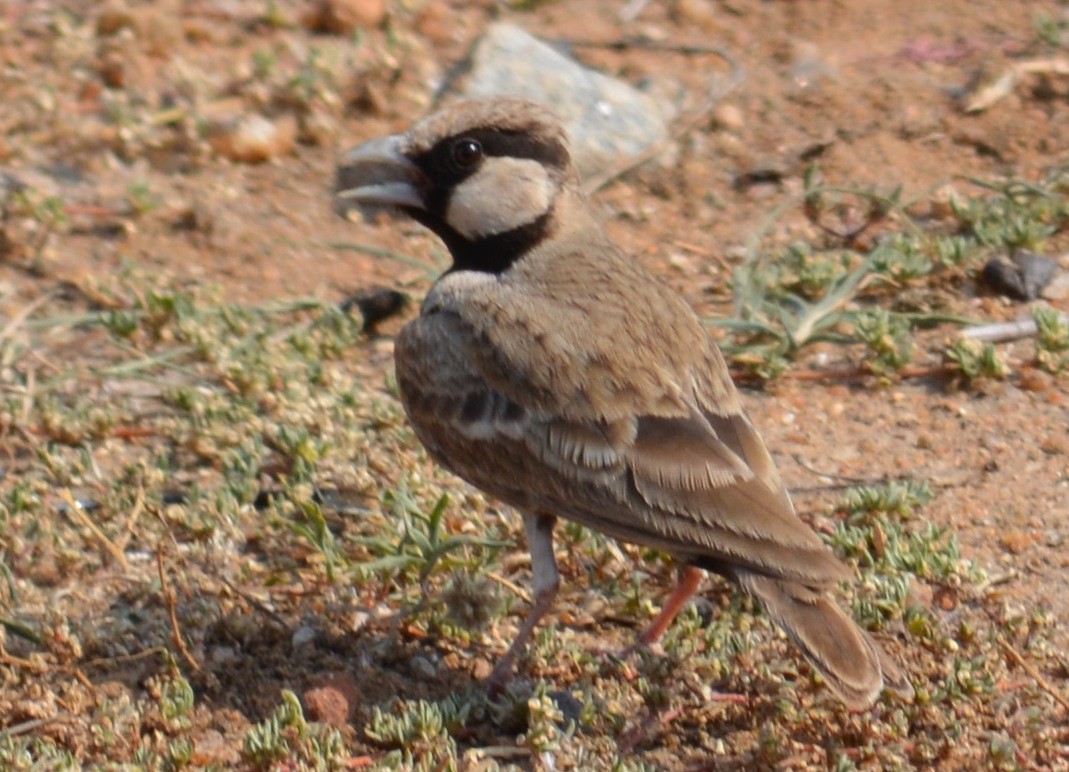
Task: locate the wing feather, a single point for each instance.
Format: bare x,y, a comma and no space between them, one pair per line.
698,483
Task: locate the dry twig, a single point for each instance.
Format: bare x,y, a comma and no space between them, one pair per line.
169,599
1043,683
78,514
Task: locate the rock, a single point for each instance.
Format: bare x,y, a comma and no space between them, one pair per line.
1023,278
570,708
423,667
331,700
303,635
607,120
343,17
254,139
375,304
114,17
702,13
729,117
434,21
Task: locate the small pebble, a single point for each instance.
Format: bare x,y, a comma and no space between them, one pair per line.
114,17
255,139
434,21
330,701
1035,380
303,636
1021,278
701,13
423,667
343,17
729,117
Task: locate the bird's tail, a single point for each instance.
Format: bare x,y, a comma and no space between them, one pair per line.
853,664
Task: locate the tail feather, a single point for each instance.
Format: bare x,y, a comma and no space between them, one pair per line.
851,662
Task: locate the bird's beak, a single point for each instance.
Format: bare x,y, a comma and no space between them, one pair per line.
377,173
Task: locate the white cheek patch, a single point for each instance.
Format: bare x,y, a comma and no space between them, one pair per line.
503,195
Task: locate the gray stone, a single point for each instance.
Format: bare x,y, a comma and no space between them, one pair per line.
607,120
423,667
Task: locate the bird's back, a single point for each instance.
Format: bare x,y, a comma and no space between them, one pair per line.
577,383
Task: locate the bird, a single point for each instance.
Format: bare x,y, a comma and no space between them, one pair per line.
555,372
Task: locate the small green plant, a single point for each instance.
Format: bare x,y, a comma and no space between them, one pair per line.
265,61
974,360
421,732
1053,31
141,198
286,737
27,754
892,552
176,700
273,15
888,338
1052,339
418,541
903,256
310,523
544,720
1020,216
896,497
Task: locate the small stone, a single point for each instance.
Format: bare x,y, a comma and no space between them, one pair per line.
1035,380
221,655
699,12
1016,542
729,117
160,32
571,709
343,17
255,139
433,22
211,748
331,700
423,667
1056,444
946,598
302,636
114,17
1023,278
607,120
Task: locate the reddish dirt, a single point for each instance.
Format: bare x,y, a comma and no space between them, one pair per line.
870,92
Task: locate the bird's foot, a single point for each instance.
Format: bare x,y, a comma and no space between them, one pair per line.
498,680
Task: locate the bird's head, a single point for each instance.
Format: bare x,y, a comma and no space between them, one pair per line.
484,175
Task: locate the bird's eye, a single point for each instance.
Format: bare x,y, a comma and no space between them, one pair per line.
467,153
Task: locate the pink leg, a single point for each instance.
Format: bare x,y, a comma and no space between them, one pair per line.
689,579
544,581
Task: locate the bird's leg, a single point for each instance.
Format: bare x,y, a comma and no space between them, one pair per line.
687,584
545,580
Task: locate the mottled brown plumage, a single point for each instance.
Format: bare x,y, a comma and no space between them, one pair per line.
556,373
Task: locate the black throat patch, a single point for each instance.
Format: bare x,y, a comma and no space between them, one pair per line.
492,254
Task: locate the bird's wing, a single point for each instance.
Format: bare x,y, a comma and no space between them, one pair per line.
681,476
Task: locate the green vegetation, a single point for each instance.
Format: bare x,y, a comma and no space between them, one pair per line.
878,274
254,483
